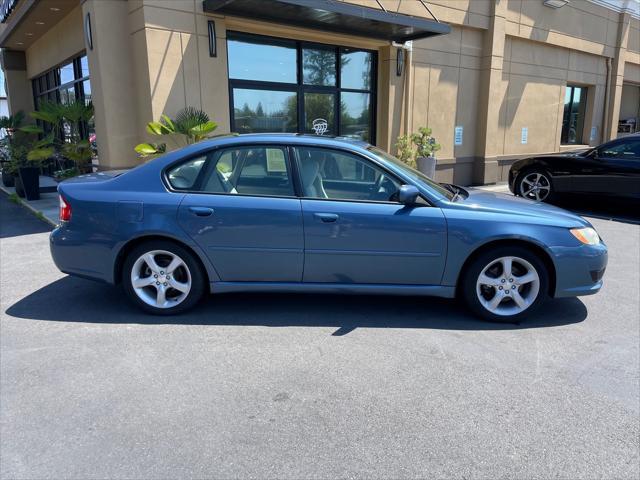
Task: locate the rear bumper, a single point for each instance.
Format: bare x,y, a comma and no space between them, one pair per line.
73,255
579,270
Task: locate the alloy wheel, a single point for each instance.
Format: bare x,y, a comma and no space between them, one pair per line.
508,286
535,186
161,279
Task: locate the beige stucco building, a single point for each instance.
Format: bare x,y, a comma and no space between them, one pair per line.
510,79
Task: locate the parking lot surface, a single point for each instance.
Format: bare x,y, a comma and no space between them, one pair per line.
303,386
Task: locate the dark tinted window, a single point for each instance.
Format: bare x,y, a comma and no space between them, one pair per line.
625,149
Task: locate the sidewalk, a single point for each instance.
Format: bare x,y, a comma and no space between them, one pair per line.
46,208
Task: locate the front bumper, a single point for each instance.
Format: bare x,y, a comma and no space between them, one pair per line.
579,270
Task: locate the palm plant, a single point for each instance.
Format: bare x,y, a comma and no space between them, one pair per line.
191,125
65,136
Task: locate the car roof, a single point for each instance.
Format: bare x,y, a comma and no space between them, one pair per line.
290,138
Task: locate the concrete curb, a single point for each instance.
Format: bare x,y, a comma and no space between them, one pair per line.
26,204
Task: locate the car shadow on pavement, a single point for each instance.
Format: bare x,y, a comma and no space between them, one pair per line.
75,300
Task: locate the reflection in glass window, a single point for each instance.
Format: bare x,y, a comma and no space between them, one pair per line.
84,66
574,109
66,73
355,115
319,111
185,175
3,92
281,85
260,61
319,66
356,70
264,111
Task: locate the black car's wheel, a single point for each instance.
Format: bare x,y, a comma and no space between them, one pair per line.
505,284
162,278
535,185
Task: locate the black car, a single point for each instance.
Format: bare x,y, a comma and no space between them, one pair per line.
612,168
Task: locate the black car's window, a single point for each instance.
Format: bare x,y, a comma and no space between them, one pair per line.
249,171
338,175
185,175
626,149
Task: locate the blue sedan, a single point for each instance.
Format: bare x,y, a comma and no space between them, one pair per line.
277,212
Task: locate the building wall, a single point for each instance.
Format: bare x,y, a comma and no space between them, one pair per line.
504,66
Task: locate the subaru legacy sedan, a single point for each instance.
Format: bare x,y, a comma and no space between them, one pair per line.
295,213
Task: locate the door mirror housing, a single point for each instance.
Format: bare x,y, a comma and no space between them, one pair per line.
408,194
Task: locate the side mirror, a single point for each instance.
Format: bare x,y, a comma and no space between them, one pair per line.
408,194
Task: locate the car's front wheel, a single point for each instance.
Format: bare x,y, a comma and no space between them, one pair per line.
162,278
505,284
535,185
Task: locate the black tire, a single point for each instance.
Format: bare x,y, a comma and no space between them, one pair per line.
468,284
195,271
545,178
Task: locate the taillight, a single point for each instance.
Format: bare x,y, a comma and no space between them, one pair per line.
65,210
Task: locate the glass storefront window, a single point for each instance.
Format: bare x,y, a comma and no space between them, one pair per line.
355,114
259,111
280,85
320,108
65,84
575,102
356,69
319,66
265,62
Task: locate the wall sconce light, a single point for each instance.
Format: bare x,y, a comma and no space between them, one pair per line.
555,3
87,31
399,61
211,27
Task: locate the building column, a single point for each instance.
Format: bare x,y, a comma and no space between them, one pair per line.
390,118
617,77
19,91
112,82
486,167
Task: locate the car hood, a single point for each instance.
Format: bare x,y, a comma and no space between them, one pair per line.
501,203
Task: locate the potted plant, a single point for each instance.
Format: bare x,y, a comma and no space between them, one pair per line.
404,150
191,125
426,146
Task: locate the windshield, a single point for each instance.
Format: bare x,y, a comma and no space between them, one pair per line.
412,172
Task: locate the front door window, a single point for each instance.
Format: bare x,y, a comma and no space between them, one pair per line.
280,85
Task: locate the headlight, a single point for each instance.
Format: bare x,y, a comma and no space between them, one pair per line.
587,235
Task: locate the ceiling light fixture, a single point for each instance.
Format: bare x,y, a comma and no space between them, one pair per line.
54,9
555,3
39,23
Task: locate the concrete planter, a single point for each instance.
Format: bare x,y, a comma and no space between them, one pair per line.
427,165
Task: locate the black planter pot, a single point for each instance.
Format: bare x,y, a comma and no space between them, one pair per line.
30,178
8,180
19,187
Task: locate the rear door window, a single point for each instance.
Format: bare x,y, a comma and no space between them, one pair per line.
254,170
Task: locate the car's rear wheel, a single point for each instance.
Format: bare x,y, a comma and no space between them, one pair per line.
505,284
535,185
162,278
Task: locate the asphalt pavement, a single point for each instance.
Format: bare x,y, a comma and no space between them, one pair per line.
312,386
